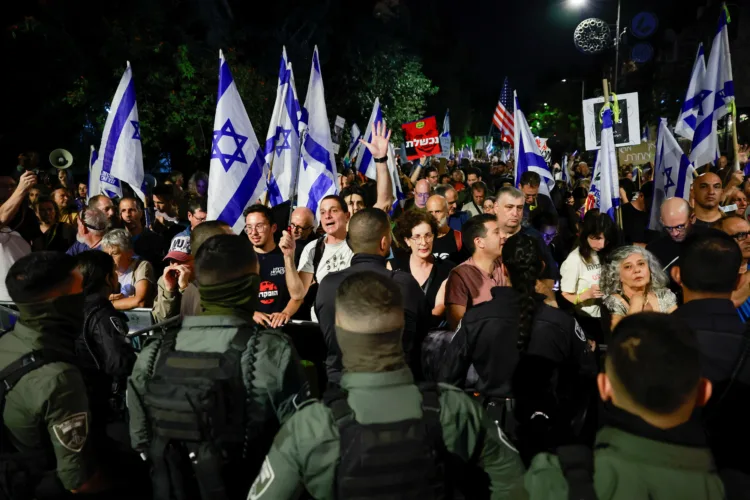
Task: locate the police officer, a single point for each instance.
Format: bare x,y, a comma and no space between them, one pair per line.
377,437
47,407
529,356
228,281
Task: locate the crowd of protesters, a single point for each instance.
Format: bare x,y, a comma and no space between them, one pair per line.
481,340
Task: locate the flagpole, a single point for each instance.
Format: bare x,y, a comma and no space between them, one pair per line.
295,183
734,138
268,177
618,213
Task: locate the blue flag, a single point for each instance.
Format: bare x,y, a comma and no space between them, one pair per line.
317,176
528,156
718,92
238,167
282,139
673,173
605,188
365,162
693,98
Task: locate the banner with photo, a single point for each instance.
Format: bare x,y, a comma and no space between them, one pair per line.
422,138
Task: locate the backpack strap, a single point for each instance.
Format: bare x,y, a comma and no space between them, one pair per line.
431,411
459,239
320,247
577,463
335,399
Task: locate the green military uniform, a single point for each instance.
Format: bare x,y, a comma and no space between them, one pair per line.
628,466
306,449
49,404
276,380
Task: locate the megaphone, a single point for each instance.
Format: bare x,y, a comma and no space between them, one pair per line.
61,159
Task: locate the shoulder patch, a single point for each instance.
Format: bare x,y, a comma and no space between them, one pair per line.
303,397
263,481
579,332
119,325
73,431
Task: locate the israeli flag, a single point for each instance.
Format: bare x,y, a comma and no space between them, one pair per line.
93,155
565,175
605,188
398,192
489,147
718,92
317,172
529,158
447,124
365,162
282,140
237,174
688,114
673,173
504,155
354,143
645,134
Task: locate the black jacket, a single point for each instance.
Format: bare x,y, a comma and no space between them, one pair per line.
720,334
416,315
557,352
103,347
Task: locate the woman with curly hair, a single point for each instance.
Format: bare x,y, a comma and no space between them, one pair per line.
633,282
198,185
416,231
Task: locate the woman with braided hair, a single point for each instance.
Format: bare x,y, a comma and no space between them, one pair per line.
529,356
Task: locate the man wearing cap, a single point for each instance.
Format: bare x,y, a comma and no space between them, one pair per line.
177,293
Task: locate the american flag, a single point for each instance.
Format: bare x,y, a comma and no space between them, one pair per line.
503,118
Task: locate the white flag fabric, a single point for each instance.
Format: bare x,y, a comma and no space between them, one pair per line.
365,162
317,176
688,114
120,151
354,143
605,188
673,173
93,156
489,146
718,92
529,158
282,140
504,155
237,175
565,175
447,124
398,193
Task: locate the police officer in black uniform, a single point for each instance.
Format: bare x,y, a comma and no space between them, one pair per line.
707,273
529,356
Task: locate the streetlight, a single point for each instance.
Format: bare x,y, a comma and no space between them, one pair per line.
583,87
580,3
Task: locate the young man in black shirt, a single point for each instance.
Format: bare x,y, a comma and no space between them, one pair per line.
275,306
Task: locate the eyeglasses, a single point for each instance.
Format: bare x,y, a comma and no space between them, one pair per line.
740,236
295,227
426,238
673,229
200,219
258,228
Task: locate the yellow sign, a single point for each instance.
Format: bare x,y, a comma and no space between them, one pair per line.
640,154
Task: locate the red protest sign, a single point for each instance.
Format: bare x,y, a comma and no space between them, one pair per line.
422,138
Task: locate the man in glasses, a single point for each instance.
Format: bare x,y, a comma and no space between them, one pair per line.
677,219
92,224
303,230
739,229
275,307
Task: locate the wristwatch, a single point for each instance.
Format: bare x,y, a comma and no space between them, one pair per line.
384,159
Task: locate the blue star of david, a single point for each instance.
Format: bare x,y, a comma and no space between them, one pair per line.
698,100
239,140
668,179
137,130
285,144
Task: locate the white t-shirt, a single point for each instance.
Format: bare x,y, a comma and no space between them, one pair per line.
12,248
577,276
336,257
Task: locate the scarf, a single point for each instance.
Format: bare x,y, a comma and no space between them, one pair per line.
238,297
371,352
59,315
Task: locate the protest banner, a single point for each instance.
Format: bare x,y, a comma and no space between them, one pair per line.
445,147
544,149
626,129
422,138
639,154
